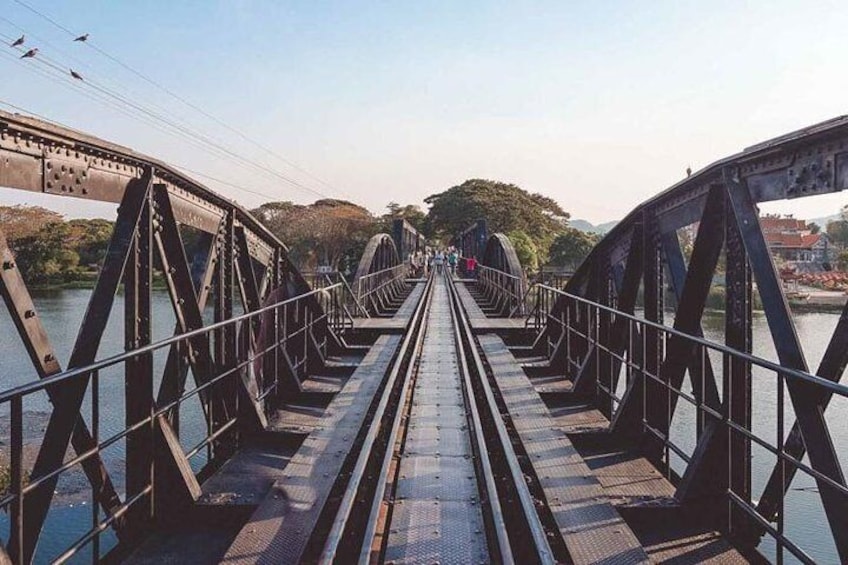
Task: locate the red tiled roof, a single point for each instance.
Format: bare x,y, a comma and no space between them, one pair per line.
797,240
773,224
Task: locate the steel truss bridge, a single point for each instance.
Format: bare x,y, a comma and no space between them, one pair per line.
309,418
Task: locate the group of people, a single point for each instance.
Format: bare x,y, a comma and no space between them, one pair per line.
442,260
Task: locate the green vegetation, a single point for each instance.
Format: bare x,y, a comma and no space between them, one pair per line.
506,207
6,479
571,247
525,248
51,251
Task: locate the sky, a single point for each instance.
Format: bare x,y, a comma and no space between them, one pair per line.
599,105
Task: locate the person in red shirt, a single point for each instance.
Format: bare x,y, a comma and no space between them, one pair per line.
471,266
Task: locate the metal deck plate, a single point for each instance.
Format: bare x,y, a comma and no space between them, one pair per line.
436,517
280,528
591,527
437,477
444,441
434,531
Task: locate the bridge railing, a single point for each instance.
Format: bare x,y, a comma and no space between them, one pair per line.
375,290
608,357
350,301
239,366
506,292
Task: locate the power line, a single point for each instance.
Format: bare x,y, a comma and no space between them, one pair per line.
176,96
181,167
185,131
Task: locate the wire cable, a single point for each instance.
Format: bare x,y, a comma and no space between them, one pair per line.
176,96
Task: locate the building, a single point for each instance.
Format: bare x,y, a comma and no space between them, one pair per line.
792,240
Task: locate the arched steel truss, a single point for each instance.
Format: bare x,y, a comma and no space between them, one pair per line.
236,264
642,254
500,278
380,279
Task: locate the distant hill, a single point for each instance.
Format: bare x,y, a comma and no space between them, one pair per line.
589,227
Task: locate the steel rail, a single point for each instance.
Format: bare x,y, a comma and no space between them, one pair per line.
478,438
544,553
403,361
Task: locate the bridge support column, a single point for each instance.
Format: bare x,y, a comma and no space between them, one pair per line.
807,399
737,375
138,279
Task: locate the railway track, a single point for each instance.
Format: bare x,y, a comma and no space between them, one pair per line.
437,478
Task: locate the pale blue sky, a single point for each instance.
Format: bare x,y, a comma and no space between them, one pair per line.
597,104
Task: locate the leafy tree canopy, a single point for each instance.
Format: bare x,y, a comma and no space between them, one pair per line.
326,232
411,213
571,247
525,248
506,207
24,221
837,232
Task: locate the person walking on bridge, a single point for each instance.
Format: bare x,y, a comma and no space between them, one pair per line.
439,261
453,259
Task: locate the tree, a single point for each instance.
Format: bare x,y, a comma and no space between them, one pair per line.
814,227
506,208
24,221
411,213
837,232
322,233
90,239
571,247
46,256
525,248
842,261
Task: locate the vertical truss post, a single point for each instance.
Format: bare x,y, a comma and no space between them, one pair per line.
806,397
737,372
225,338
138,371
679,351
67,399
651,392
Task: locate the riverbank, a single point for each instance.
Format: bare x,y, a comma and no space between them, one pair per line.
73,487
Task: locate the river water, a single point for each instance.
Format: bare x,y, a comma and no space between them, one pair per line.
62,310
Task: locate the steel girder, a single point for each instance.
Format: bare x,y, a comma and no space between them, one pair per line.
723,199
407,239
235,256
472,242
501,278
380,276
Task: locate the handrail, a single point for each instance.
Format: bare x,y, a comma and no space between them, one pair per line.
839,389
36,386
602,349
505,290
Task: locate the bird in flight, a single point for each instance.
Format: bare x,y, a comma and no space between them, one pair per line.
82,38
19,41
75,74
30,54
